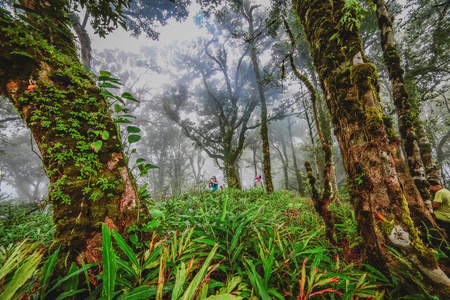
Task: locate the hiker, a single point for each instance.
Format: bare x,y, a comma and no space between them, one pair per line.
213,184
257,182
441,205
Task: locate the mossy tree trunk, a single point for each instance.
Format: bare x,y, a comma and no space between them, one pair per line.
381,188
407,116
68,117
431,169
403,107
231,172
247,12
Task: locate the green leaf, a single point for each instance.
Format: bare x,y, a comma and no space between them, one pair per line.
157,213
128,96
21,275
48,269
96,145
117,108
150,166
134,238
109,264
71,285
127,249
123,121
127,268
106,94
142,292
104,134
133,138
139,160
68,294
67,277
179,282
108,85
133,129
224,297
105,73
255,279
192,288
110,79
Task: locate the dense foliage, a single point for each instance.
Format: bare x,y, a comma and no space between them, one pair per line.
211,245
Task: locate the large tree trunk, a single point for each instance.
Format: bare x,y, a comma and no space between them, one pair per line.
68,117
231,172
407,116
381,188
403,107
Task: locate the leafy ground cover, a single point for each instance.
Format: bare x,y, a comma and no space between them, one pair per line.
212,245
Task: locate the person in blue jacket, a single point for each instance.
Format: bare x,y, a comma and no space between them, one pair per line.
214,183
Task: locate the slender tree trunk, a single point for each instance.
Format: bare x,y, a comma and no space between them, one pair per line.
298,176
247,12
66,114
381,188
313,143
325,124
83,38
285,163
285,166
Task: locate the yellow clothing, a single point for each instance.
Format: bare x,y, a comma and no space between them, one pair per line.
443,211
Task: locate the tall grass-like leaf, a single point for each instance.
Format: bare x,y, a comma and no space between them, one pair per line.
256,281
72,283
17,255
142,292
180,279
192,288
47,272
204,291
125,248
68,294
21,275
109,264
268,268
224,297
161,279
69,276
125,266
224,209
236,236
187,241
174,245
152,257
232,284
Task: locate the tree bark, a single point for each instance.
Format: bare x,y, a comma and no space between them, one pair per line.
64,110
247,13
298,176
83,38
381,188
403,106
